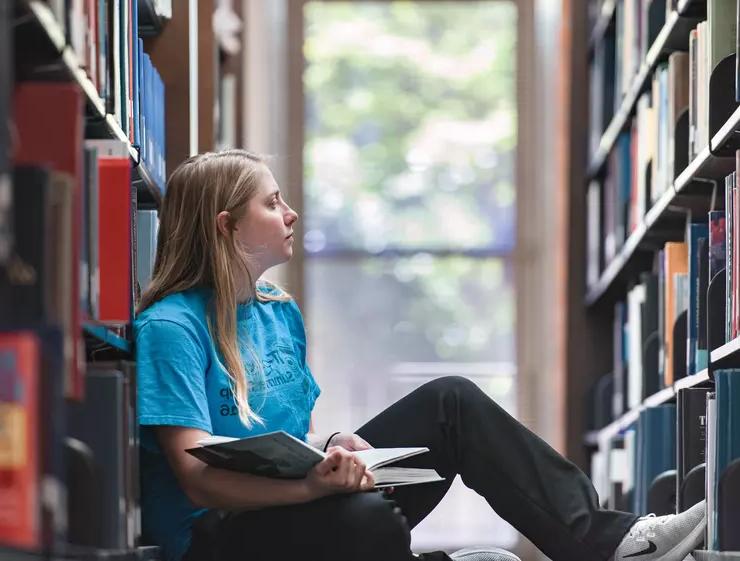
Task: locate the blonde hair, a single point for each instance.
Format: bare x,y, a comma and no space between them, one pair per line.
192,251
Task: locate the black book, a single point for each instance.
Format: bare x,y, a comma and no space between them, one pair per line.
282,456
692,430
52,433
23,298
651,340
99,422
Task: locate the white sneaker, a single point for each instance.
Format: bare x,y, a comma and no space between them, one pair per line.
483,554
664,538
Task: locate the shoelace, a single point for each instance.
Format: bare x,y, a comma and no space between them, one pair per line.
640,534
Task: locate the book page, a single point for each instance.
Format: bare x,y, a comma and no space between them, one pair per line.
376,457
398,477
207,441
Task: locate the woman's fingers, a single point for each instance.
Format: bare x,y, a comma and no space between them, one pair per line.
328,464
344,470
368,481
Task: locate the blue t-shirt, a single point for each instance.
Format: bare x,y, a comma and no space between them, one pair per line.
182,382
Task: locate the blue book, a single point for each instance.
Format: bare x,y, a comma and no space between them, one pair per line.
656,450
135,68
727,444
140,84
696,232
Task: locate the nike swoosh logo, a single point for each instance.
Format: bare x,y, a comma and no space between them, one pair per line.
652,548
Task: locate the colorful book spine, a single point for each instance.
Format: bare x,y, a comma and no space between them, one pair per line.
20,523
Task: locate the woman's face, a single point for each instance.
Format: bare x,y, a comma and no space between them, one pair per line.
266,229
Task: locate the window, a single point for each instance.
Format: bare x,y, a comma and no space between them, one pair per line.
410,197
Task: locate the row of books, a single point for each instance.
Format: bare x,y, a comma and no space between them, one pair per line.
618,56
687,86
75,262
642,166
675,455
69,469
710,43
105,36
660,331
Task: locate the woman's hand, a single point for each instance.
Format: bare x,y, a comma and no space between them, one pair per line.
349,441
339,472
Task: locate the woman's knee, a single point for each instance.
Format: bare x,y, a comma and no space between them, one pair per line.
456,384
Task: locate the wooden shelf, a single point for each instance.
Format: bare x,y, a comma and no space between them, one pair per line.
149,190
673,36
593,438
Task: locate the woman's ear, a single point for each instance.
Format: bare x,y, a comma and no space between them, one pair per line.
222,222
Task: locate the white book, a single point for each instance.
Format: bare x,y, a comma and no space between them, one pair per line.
711,461
281,455
635,300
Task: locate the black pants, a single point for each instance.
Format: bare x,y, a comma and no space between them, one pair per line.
541,494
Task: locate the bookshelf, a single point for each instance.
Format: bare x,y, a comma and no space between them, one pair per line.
662,174
94,94
593,438
148,191
672,36
708,167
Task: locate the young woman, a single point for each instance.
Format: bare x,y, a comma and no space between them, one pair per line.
220,352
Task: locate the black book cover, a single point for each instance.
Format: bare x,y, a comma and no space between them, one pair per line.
275,454
651,340
692,431
99,422
23,298
53,431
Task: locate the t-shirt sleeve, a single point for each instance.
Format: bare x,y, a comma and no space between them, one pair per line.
171,368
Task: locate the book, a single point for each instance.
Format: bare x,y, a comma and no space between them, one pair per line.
695,233
676,262
692,433
19,452
280,455
59,147
726,441
106,425
655,450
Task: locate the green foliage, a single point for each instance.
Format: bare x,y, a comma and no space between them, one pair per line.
410,140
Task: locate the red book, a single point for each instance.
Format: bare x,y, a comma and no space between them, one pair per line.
20,520
114,239
49,122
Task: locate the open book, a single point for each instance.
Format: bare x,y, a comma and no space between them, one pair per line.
278,454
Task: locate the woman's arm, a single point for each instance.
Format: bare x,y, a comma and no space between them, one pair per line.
210,487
